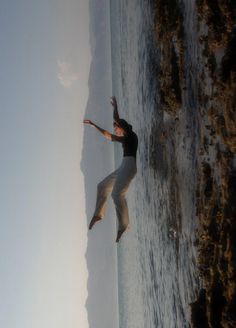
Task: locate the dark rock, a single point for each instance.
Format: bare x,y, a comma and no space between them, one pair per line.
198,311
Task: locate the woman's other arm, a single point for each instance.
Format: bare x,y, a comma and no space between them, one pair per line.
105,133
115,109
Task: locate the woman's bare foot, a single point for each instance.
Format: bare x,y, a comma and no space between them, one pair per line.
119,234
93,221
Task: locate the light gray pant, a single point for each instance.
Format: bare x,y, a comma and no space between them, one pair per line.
117,183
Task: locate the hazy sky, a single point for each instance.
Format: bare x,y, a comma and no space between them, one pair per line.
44,67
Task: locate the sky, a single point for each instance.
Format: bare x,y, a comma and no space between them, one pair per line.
44,68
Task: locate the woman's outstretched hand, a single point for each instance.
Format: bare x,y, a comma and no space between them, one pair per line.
113,102
88,122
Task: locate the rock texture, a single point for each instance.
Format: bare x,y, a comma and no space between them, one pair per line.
215,82
216,191
169,35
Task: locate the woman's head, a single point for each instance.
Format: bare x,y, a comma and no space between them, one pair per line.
118,130
122,127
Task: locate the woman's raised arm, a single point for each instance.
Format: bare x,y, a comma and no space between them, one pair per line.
115,109
105,133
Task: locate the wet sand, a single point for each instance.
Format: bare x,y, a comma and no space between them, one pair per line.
214,95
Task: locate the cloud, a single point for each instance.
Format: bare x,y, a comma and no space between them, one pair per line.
65,74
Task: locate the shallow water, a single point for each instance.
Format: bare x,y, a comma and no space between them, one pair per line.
157,277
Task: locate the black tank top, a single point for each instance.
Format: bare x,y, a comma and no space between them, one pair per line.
129,143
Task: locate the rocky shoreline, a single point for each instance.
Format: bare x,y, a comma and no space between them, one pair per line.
169,32
216,144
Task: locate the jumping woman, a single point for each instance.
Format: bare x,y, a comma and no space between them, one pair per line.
118,181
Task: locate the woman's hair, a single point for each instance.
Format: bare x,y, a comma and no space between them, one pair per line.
124,125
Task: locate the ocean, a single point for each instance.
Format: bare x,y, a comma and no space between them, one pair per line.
157,270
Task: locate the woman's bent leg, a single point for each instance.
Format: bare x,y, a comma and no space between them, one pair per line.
125,175
104,188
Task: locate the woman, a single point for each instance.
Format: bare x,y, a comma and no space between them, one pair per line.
118,181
